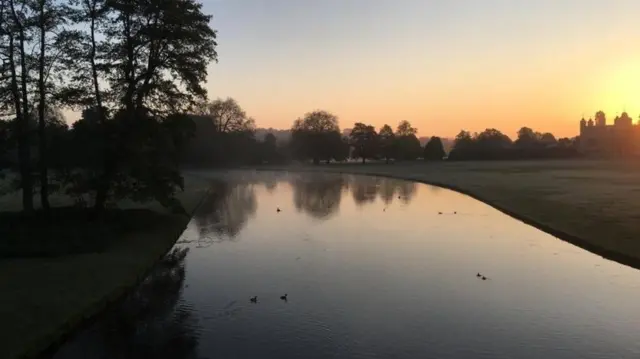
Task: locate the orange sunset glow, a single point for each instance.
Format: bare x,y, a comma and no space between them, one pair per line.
443,65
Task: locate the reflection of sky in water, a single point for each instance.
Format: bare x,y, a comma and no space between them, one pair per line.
373,271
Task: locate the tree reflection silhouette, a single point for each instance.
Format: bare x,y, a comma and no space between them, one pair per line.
388,190
148,323
224,212
318,196
406,190
364,189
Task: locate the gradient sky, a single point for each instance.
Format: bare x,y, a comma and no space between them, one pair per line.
444,65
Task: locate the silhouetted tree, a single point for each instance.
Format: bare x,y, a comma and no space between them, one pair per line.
387,143
338,148
407,146
491,144
463,141
527,138
15,34
313,135
434,150
492,139
405,129
364,140
228,116
548,139
154,59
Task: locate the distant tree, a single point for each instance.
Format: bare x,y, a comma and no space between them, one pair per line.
548,139
462,141
387,142
269,148
492,139
408,147
364,141
527,138
339,148
565,142
405,129
434,150
228,116
313,136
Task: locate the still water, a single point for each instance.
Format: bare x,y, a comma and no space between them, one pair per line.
373,268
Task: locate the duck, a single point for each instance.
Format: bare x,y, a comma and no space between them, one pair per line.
478,275
284,297
254,299
278,210
439,212
484,278
454,212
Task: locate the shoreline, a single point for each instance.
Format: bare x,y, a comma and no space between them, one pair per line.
47,343
621,258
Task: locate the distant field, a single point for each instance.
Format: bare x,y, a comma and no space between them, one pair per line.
593,204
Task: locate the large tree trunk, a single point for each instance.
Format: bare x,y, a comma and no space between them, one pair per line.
22,115
363,160
42,135
103,187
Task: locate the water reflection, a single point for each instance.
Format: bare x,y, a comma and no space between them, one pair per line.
317,196
374,278
152,322
224,213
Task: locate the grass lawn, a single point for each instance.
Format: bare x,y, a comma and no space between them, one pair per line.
593,204
41,298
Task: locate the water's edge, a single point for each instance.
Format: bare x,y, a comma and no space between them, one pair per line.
48,345
611,255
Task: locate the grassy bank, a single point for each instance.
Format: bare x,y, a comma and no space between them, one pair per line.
592,204
44,298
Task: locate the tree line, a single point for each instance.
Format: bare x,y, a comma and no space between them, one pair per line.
134,69
226,136
492,144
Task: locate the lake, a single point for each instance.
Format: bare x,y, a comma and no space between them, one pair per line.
372,268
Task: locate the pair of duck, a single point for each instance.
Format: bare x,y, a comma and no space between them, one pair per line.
254,299
481,276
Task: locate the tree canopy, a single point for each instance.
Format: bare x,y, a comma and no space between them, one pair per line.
364,140
313,136
434,150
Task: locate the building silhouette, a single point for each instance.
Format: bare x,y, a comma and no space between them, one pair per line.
620,139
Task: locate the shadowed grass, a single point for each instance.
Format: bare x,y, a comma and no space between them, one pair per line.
44,298
592,204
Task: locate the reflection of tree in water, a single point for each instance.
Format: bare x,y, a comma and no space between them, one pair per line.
365,189
224,212
270,184
318,196
149,323
387,190
406,190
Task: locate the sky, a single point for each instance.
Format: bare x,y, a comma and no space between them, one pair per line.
443,65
